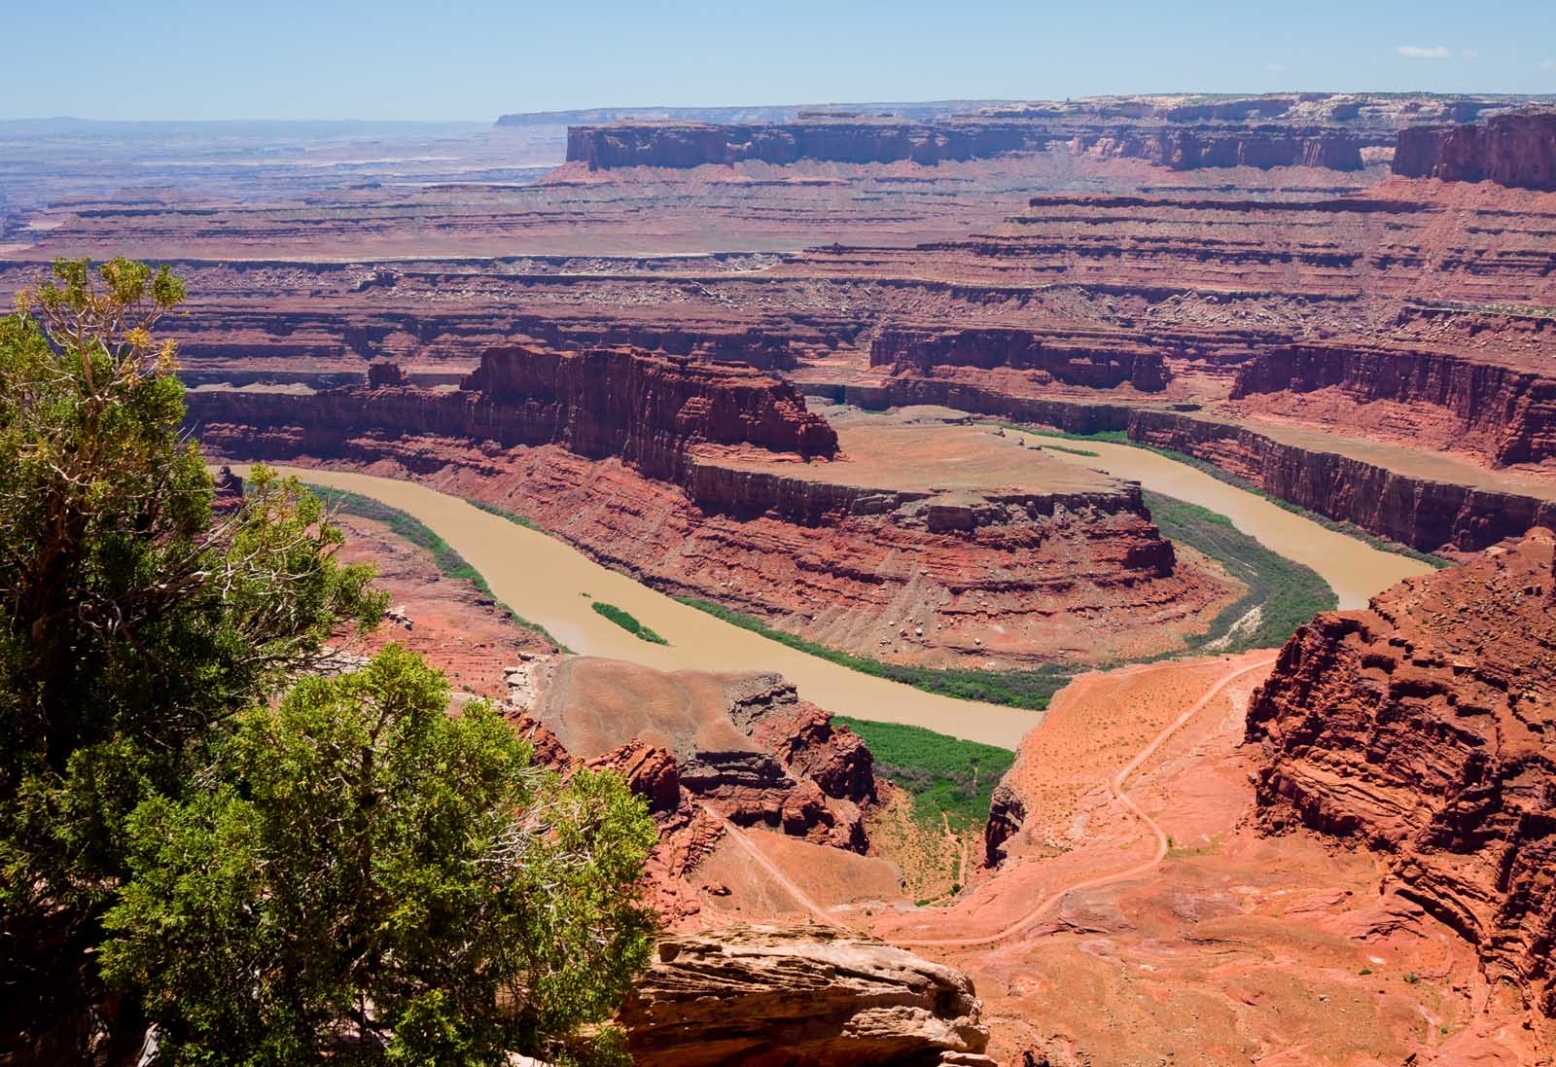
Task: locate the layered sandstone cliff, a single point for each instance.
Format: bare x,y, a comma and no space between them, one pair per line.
1418,511
1517,150
1422,729
693,476
645,409
1182,133
1088,361
1507,414
765,996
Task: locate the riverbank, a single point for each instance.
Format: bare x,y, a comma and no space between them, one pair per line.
552,584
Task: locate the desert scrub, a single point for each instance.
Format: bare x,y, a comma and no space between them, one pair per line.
503,513
627,621
946,776
1286,594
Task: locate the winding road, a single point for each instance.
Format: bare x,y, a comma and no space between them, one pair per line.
1039,910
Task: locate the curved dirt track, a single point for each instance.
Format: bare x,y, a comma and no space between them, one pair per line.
1116,788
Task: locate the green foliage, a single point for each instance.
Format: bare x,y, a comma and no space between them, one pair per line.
359,872
343,874
450,563
132,620
1112,437
1088,453
1031,689
946,775
1287,594
627,621
503,513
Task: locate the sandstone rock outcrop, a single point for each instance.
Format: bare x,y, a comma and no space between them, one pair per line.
1509,414
764,996
650,772
1007,811
1422,729
1517,150
742,746
1090,362
768,709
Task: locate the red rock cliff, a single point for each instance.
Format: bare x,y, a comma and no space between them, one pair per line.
622,402
1510,414
1419,512
1092,362
1423,729
1517,150
626,402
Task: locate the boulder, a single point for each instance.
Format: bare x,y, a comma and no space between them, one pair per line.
768,996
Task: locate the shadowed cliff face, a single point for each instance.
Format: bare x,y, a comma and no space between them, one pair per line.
618,401
1422,728
1509,415
1517,150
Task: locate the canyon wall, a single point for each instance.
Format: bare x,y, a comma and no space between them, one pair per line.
1511,414
682,145
1078,360
1419,512
1422,728
1517,150
710,495
628,403
645,409
1182,133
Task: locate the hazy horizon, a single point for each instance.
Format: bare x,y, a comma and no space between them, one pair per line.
296,61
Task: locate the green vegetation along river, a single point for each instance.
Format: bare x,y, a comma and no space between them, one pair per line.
547,581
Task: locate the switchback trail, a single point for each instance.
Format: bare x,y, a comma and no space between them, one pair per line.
1039,910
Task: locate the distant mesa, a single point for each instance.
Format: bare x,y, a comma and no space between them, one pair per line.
1334,131
1517,150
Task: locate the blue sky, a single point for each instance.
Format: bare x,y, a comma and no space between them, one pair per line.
451,59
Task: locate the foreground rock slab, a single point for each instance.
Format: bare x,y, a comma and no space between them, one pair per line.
767,996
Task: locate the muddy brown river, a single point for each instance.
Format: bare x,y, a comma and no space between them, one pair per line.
546,580
1354,569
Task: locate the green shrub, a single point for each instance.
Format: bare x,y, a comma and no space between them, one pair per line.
627,622
946,775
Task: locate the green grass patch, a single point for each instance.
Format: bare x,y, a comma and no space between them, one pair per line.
945,775
450,563
1287,594
1112,437
1029,689
1073,451
627,621
503,513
